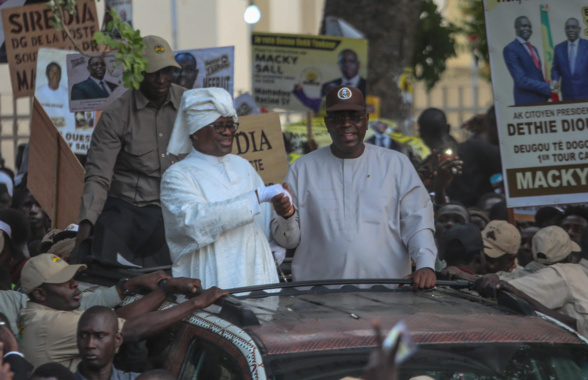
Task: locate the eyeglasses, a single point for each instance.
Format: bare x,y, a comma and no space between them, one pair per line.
340,119
221,127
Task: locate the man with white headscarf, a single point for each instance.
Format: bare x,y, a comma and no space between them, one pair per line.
215,205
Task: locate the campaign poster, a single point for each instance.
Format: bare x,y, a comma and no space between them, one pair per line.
5,4
123,8
539,62
295,72
51,90
209,67
27,29
244,105
94,82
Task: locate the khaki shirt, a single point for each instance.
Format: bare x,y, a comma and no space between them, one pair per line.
49,335
560,287
127,155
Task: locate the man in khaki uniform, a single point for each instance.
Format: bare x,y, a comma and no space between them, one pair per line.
562,286
48,324
126,159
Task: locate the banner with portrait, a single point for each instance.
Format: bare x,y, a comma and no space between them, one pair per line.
539,62
209,67
94,82
123,8
51,90
28,28
294,72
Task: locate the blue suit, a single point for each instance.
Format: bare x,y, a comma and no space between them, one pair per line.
89,89
529,82
573,86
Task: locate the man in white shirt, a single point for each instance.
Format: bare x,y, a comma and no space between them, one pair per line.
215,205
54,98
359,211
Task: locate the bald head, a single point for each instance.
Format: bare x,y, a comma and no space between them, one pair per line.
106,314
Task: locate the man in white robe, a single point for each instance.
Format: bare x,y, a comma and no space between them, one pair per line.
215,206
359,211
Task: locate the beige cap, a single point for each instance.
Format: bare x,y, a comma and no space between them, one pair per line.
500,237
553,242
159,54
46,268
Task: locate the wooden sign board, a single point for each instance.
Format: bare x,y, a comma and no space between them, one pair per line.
259,140
26,29
56,177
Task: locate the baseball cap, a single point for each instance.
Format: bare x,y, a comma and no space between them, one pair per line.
7,230
500,237
554,243
467,234
159,54
345,98
46,268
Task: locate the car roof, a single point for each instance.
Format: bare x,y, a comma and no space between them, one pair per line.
296,324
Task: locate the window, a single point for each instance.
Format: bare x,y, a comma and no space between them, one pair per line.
206,361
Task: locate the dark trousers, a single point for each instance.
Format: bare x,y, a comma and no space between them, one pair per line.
135,233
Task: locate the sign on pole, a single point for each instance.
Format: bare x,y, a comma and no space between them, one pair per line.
56,177
539,63
295,72
259,140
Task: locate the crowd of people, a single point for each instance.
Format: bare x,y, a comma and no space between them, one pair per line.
163,189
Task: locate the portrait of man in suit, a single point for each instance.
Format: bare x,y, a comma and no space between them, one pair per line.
524,65
186,76
570,64
349,66
95,87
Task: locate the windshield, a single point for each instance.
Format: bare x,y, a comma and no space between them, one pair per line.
450,362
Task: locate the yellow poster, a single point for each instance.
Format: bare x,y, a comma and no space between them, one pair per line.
294,72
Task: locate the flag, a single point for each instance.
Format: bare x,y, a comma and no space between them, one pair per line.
547,45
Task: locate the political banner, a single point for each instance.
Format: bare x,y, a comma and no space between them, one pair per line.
123,8
51,90
5,4
539,62
259,140
294,72
94,82
26,29
209,67
244,105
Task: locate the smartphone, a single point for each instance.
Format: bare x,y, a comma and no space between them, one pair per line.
447,154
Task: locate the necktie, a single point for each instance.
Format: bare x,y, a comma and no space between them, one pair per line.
380,141
535,59
572,57
104,88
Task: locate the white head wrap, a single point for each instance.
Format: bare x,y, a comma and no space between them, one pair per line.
198,108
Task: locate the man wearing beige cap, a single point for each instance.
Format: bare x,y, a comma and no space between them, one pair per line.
48,324
126,159
501,244
359,211
562,286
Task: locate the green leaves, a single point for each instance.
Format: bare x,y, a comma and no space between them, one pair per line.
434,44
119,37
